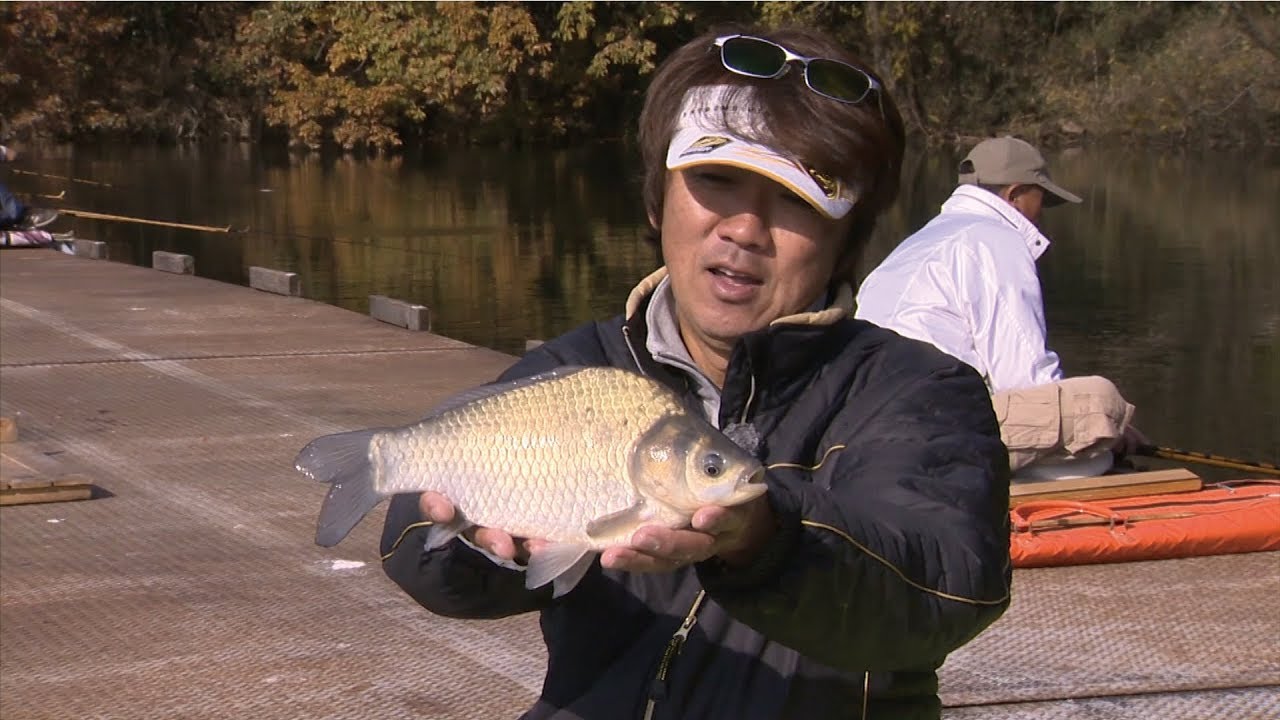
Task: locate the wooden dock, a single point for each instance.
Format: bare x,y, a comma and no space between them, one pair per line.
189,586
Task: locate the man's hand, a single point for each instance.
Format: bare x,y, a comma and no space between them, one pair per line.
437,508
1128,443
735,534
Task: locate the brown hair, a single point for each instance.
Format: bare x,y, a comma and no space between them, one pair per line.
862,143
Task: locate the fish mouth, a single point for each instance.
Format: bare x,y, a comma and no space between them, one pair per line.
749,492
725,495
752,488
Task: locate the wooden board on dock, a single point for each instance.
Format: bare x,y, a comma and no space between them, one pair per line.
8,430
1155,482
44,490
29,476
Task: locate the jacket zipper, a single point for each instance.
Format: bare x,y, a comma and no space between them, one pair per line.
658,688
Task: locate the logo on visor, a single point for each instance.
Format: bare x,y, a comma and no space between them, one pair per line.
830,186
705,144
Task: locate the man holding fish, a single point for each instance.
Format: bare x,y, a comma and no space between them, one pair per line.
824,562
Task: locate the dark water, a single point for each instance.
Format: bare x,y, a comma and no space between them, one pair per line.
1167,279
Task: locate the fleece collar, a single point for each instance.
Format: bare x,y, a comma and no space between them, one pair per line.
841,305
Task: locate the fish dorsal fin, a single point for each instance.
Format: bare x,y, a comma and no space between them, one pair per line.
617,522
467,397
564,563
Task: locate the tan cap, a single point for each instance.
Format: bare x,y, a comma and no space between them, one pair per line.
1008,160
701,140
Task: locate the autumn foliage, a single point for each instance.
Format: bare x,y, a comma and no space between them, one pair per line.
383,75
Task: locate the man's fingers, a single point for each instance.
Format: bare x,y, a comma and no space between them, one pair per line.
673,546
496,542
628,560
714,520
436,507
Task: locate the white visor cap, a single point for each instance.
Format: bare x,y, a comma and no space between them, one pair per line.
700,140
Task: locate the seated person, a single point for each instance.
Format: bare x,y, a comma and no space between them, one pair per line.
966,282
14,214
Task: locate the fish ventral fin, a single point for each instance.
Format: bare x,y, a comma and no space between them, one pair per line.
342,460
467,397
564,564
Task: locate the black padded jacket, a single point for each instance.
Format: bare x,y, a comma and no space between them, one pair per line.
891,491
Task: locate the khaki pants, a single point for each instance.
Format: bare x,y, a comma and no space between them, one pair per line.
1060,424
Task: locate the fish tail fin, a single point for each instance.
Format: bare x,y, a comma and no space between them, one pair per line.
342,460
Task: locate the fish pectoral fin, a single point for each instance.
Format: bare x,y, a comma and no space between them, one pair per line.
618,523
564,563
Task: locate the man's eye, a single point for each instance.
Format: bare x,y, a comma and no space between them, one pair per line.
798,202
712,177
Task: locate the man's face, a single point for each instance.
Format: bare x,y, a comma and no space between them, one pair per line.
741,251
1029,200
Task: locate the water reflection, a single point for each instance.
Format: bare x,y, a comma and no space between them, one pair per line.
1163,280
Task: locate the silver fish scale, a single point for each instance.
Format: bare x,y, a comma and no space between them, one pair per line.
542,460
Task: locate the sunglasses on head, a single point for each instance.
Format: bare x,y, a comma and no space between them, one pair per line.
759,58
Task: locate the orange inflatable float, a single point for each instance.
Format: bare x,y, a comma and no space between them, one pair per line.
1220,519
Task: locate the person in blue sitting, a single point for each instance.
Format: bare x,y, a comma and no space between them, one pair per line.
882,543
14,214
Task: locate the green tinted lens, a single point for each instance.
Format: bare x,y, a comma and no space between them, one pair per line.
837,80
750,56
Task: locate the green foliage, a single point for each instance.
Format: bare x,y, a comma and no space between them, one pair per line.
379,75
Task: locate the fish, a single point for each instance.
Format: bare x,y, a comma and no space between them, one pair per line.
580,457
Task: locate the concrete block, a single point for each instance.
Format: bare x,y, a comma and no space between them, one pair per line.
274,281
173,262
400,313
95,249
531,344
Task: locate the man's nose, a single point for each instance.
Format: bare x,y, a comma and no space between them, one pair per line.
747,223
747,229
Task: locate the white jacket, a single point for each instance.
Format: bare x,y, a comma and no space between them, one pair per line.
967,283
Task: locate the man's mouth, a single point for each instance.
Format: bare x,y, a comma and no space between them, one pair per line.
736,276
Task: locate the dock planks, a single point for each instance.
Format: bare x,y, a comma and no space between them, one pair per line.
188,399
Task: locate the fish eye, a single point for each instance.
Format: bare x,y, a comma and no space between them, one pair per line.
712,464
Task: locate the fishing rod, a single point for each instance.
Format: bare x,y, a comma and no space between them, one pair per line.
1192,456
63,177
145,221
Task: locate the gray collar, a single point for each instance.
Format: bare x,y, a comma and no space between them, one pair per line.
667,347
